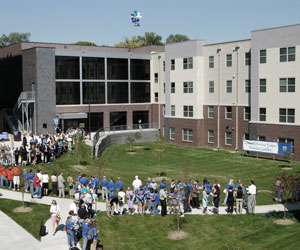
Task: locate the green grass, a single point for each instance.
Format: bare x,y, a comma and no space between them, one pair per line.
222,232
203,163
29,221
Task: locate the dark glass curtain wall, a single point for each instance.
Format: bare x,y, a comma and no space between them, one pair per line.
117,69
139,69
93,92
67,93
93,68
117,92
67,67
140,92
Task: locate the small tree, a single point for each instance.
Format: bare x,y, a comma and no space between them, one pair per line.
159,150
186,169
99,166
130,141
79,143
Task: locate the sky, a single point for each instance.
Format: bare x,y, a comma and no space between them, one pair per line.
108,22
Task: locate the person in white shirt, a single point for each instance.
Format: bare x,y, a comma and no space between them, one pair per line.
136,184
252,191
55,214
74,207
39,174
121,196
45,182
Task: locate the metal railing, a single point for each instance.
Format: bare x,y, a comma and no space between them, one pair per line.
113,129
27,96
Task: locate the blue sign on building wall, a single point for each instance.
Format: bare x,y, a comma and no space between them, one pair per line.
284,148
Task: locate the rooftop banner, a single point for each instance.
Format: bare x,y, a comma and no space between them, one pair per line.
261,146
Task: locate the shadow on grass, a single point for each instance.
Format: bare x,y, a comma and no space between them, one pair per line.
147,149
280,215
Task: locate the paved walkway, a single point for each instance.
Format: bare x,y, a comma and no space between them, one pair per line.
59,241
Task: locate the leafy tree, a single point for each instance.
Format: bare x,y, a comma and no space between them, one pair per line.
130,141
79,143
159,150
129,43
150,38
14,37
86,43
176,38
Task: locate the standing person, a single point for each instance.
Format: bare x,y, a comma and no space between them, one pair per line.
61,185
94,230
121,196
187,195
195,196
278,190
111,187
230,200
104,184
37,186
155,202
120,184
244,192
181,198
16,172
30,179
70,233
163,201
216,196
129,194
136,184
230,184
204,199
85,228
45,181
252,197
16,154
208,190
71,185
55,213
1,175
173,200
26,180
239,200
54,184
139,194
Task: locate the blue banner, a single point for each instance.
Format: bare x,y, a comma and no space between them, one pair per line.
284,148
4,136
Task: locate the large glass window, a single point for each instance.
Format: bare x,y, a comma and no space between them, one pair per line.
96,121
140,118
67,67
92,68
117,92
140,92
67,93
93,92
118,120
117,69
140,69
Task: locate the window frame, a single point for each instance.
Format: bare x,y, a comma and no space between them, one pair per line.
248,59
247,114
262,58
188,63
173,88
285,115
188,111
211,62
261,86
288,86
156,99
247,86
228,114
172,133
189,88
261,115
189,135
173,110
173,65
155,77
228,88
211,113
226,138
211,89
209,136
287,56
228,60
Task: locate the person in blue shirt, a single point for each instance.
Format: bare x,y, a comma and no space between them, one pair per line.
173,200
104,184
163,184
30,179
150,197
69,231
120,184
85,228
155,201
190,185
95,234
208,191
146,200
96,181
139,194
181,198
179,185
147,182
111,187
84,179
79,177
26,180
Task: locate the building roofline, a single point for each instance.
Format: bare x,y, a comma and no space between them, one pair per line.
234,41
279,27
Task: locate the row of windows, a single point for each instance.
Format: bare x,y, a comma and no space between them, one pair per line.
228,113
286,115
285,85
188,111
187,63
187,134
68,93
93,68
286,54
211,60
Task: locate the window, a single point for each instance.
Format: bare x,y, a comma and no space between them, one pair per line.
139,69
247,113
247,86
188,111
246,136
228,138
211,136
287,115
173,110
287,85
229,60
92,68
117,92
164,87
263,56
140,92
67,93
172,64
172,87
288,54
262,114
229,86
93,92
211,87
156,97
228,112
211,62
188,63
172,133
261,138
67,67
247,58
289,141
117,69
164,65
187,135
211,112
262,85
156,77
188,87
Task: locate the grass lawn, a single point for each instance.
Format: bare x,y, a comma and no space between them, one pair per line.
203,163
205,232
30,221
